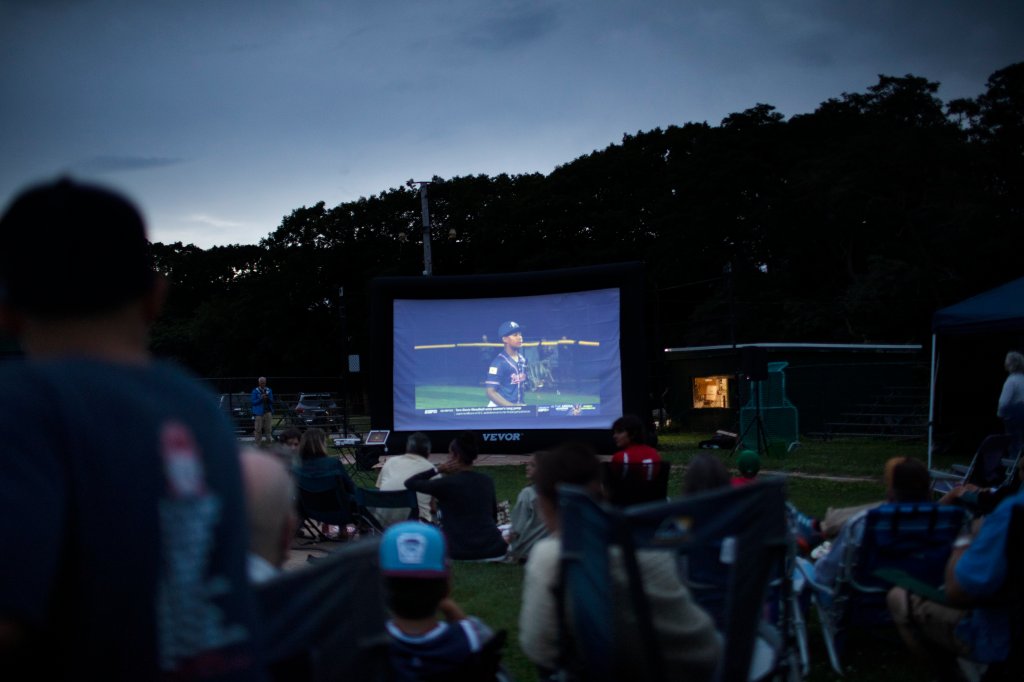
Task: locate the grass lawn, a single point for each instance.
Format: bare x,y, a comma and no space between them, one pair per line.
491,591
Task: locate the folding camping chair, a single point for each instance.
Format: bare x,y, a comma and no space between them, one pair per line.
706,572
681,526
322,499
626,484
325,621
369,500
993,464
914,538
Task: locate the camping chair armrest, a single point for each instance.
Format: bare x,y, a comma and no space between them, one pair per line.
900,578
868,589
945,475
816,587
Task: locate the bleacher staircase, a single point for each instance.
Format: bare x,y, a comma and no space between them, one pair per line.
898,412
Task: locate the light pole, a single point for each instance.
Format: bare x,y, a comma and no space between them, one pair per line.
428,267
343,319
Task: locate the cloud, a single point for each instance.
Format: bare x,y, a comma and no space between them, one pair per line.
102,164
211,221
513,26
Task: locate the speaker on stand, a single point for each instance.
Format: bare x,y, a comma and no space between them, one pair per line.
754,367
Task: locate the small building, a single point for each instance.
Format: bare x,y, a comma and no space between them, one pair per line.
877,390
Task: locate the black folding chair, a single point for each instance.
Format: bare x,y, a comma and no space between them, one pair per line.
325,621
322,499
679,525
368,500
626,484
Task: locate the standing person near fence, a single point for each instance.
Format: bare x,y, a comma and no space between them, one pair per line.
263,412
134,537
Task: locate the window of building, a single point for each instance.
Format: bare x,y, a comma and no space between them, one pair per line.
711,392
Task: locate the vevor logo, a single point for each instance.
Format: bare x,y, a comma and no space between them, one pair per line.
502,436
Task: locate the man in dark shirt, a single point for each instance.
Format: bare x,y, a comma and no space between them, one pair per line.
120,477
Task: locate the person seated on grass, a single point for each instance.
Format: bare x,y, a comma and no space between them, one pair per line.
467,503
269,502
316,461
975,622
415,566
288,445
527,525
687,635
631,442
397,470
704,472
749,464
906,480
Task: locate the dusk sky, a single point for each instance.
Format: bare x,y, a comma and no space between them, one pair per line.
220,117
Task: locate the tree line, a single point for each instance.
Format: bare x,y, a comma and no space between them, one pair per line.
852,223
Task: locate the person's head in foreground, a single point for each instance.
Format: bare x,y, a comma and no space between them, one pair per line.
415,566
574,463
76,272
269,503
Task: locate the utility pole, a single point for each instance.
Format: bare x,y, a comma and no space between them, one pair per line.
343,319
428,266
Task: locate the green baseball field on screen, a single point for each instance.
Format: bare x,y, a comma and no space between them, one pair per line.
434,396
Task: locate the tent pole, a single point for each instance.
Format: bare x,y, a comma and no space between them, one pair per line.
931,404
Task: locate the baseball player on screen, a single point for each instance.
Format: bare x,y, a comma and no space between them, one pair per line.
507,380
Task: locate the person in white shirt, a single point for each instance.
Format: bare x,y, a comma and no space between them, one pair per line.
397,470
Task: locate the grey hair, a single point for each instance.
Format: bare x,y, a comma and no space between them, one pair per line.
418,443
1014,362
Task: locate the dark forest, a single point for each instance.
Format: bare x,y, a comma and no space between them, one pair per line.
852,223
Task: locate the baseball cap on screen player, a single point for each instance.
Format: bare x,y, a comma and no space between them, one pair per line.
72,248
413,550
509,327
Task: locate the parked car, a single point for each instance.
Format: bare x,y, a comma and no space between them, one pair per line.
238,409
317,409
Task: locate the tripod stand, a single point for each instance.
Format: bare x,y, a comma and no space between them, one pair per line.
757,422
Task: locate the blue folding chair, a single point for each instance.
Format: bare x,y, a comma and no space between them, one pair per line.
915,539
683,525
